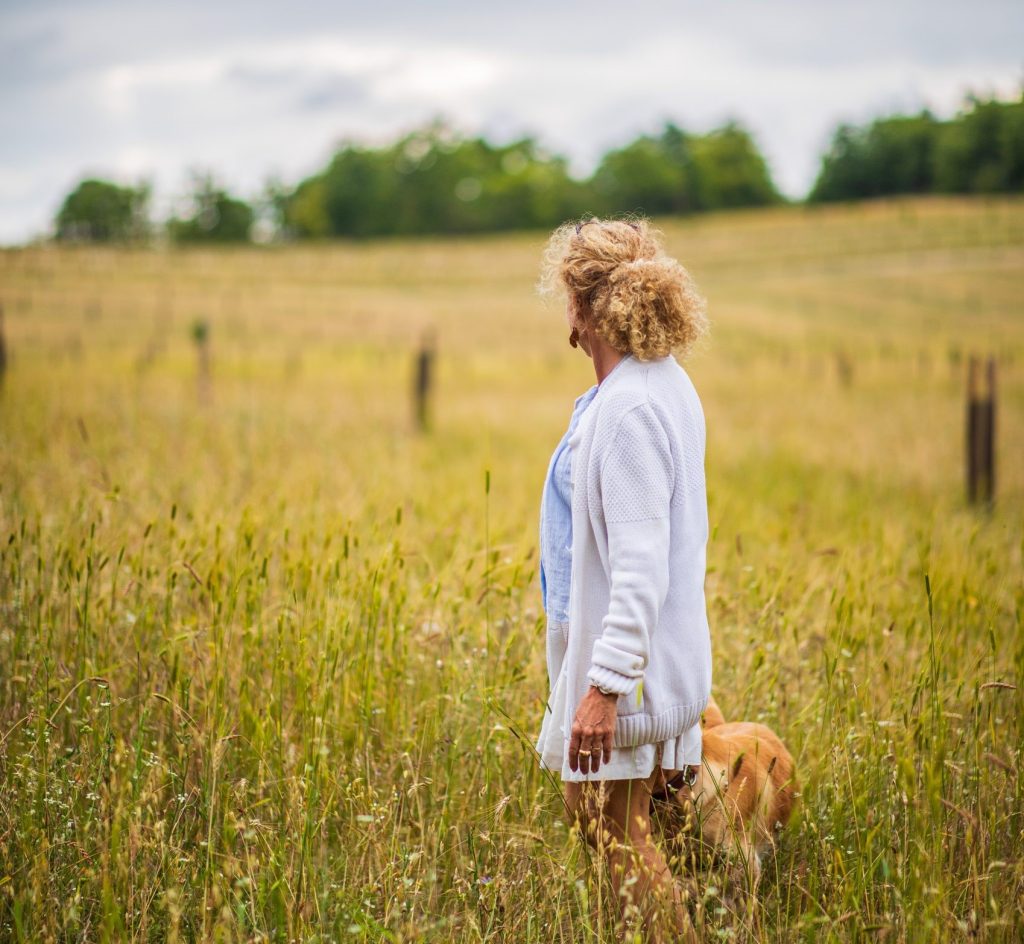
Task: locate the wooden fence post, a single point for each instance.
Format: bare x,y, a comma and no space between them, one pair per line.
988,434
970,449
423,379
3,347
980,439
201,337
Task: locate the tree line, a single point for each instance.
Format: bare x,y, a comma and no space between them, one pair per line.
981,150
434,180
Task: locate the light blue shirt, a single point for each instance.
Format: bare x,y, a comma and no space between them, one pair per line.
556,521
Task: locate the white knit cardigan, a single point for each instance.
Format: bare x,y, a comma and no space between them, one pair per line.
637,612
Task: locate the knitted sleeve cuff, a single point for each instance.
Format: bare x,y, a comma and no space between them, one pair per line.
604,677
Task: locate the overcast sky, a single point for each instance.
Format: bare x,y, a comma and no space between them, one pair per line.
129,88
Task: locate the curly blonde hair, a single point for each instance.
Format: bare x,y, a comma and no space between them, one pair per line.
643,302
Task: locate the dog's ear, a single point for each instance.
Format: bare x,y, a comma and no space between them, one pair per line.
712,715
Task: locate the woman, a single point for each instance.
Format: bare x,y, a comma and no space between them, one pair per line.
624,531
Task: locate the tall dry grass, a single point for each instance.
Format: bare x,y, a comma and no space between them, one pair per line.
271,664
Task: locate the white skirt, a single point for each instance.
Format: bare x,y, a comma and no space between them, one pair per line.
627,763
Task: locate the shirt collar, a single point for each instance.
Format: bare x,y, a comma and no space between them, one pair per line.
586,395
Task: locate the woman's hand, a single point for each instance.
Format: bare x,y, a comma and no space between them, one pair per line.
592,731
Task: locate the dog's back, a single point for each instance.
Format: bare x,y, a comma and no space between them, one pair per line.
752,770
746,787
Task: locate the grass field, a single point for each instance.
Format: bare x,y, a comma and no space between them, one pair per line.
272,663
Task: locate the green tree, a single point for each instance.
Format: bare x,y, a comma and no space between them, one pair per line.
844,173
434,180
641,176
676,172
270,208
305,211
982,150
101,211
679,148
730,171
891,155
215,216
903,153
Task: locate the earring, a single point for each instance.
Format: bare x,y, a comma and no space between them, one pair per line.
574,338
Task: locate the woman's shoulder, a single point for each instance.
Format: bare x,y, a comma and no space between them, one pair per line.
630,404
652,393
642,383
655,393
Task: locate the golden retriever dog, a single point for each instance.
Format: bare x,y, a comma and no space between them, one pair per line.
744,791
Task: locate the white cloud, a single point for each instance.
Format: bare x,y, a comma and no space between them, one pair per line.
121,86
390,71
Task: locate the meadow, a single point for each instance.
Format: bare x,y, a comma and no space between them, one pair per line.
272,660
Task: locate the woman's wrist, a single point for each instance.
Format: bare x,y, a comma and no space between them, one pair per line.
610,680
